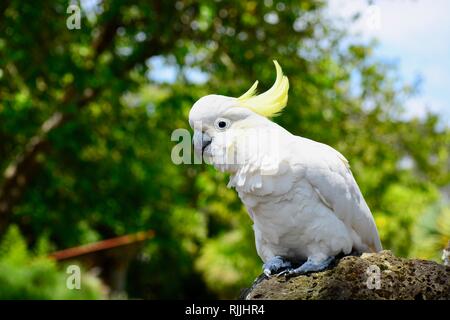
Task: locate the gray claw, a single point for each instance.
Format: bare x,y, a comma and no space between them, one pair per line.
274,265
310,266
283,273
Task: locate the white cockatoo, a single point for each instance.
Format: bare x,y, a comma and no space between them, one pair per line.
301,195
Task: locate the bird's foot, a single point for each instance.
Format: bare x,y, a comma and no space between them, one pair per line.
310,266
275,265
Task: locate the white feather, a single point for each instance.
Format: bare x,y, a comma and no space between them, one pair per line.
311,207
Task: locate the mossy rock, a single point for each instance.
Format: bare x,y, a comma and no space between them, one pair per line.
351,278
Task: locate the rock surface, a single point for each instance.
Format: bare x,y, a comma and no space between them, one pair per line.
356,277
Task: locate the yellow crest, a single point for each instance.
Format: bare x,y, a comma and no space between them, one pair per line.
271,102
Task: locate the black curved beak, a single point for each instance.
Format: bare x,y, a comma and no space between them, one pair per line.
201,141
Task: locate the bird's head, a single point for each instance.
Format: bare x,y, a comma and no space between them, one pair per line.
220,121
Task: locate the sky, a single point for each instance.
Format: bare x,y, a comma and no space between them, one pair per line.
416,35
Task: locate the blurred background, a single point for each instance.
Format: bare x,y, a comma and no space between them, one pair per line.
87,112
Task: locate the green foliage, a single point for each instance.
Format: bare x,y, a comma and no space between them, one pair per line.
107,171
229,263
26,275
401,207
432,232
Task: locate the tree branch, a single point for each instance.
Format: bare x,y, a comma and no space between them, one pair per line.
4,4
23,168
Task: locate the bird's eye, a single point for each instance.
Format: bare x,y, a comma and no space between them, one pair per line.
222,124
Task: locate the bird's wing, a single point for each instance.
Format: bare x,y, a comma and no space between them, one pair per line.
329,174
